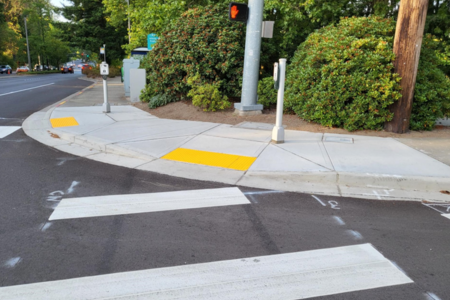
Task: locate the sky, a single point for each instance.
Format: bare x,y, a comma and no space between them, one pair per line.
60,3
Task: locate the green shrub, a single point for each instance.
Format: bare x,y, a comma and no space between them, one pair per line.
207,96
267,94
95,72
92,72
201,41
160,100
344,76
114,71
432,91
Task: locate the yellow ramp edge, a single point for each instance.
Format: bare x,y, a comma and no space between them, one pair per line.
212,159
64,122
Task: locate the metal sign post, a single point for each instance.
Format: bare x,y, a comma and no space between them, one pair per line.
280,78
104,71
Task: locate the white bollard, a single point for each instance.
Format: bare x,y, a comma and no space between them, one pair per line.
278,130
106,106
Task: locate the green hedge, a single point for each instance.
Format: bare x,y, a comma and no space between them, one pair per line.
39,72
343,76
432,91
201,41
267,94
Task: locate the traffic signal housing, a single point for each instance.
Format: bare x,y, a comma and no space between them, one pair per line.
238,12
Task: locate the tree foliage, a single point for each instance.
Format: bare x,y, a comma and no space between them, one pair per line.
149,16
89,29
201,41
343,76
45,44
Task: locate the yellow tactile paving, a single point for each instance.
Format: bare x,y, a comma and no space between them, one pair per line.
64,122
213,159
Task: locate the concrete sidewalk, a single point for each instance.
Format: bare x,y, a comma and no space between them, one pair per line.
331,164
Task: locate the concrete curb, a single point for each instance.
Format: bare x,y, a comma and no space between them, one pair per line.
369,186
358,185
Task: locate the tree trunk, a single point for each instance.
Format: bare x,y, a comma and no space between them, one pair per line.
407,44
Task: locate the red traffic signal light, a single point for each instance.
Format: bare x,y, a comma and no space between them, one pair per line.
238,12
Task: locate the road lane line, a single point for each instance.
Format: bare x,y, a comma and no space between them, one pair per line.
36,87
446,216
71,208
7,130
320,201
288,276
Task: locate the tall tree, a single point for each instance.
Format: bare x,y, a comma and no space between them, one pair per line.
149,16
88,28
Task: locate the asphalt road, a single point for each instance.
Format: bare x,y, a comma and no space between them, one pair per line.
22,95
34,178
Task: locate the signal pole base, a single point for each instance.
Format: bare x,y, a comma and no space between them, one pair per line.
106,108
247,110
278,135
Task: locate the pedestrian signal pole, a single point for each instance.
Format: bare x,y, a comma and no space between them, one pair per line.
253,15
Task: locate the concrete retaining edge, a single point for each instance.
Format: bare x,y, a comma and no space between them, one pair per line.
369,186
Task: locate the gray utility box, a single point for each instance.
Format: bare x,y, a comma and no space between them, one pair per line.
137,83
443,122
128,64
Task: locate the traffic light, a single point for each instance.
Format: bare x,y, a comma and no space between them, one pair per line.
238,12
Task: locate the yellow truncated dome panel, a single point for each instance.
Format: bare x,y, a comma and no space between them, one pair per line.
64,122
213,159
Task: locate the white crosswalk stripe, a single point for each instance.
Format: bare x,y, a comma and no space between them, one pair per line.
285,276
143,203
7,130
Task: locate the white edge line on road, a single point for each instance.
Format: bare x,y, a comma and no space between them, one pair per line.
446,216
296,275
36,87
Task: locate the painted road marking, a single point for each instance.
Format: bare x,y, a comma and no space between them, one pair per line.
213,159
285,276
64,122
320,201
36,87
7,130
144,203
446,216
